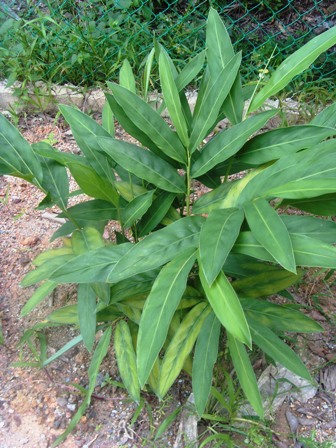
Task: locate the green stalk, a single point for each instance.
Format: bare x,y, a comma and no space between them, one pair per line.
188,185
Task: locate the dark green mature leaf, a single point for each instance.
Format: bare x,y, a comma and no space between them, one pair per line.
309,252
278,143
190,71
268,228
172,98
296,63
265,283
205,356
219,53
126,360
225,304
324,205
218,235
326,118
279,317
93,210
156,212
228,142
55,182
159,309
63,158
208,105
86,130
271,344
16,155
320,229
86,309
149,122
245,373
180,346
143,164
136,209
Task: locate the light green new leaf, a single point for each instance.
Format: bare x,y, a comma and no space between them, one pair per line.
172,98
279,317
16,155
126,77
85,240
149,122
219,53
274,347
311,252
228,142
268,228
295,64
86,309
93,210
66,315
93,184
159,309
137,208
125,355
209,103
39,295
245,373
226,305
303,189
180,346
206,352
326,118
147,72
280,142
143,164
218,235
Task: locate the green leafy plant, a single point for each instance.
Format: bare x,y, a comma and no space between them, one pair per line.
181,272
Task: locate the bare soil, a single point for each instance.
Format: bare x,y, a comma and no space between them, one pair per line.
37,405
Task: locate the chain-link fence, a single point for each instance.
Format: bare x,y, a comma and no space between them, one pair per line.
83,42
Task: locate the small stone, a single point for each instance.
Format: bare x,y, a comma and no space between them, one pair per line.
71,407
30,241
61,401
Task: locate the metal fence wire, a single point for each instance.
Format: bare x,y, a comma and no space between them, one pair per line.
83,42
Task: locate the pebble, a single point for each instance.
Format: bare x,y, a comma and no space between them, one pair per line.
71,407
62,401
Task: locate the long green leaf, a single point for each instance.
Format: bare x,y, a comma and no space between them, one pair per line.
190,71
180,346
326,118
296,63
324,205
228,142
156,212
126,360
108,119
271,344
126,77
39,295
320,229
150,123
172,98
268,228
147,72
219,53
97,358
143,164
85,130
159,309
208,105
93,184
86,309
93,210
304,189
206,352
279,317
16,155
245,373
217,237
137,208
227,307
277,143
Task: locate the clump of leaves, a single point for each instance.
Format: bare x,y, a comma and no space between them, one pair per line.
182,275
